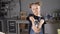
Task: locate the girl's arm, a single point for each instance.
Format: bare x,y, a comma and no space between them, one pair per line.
35,29
41,23
32,20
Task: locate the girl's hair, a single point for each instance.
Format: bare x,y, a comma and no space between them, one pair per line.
37,3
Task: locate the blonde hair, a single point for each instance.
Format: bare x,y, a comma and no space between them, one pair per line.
37,3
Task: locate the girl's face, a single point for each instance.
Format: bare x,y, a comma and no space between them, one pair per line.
36,9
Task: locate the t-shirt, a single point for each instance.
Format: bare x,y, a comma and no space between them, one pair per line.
35,17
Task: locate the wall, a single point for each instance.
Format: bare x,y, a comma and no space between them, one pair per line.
25,5
47,5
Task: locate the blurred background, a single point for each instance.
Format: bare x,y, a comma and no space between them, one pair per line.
13,14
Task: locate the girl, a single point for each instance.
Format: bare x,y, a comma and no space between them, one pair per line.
36,20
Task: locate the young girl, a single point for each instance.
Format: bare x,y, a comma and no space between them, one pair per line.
35,19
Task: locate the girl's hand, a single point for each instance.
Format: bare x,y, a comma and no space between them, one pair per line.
35,29
32,20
